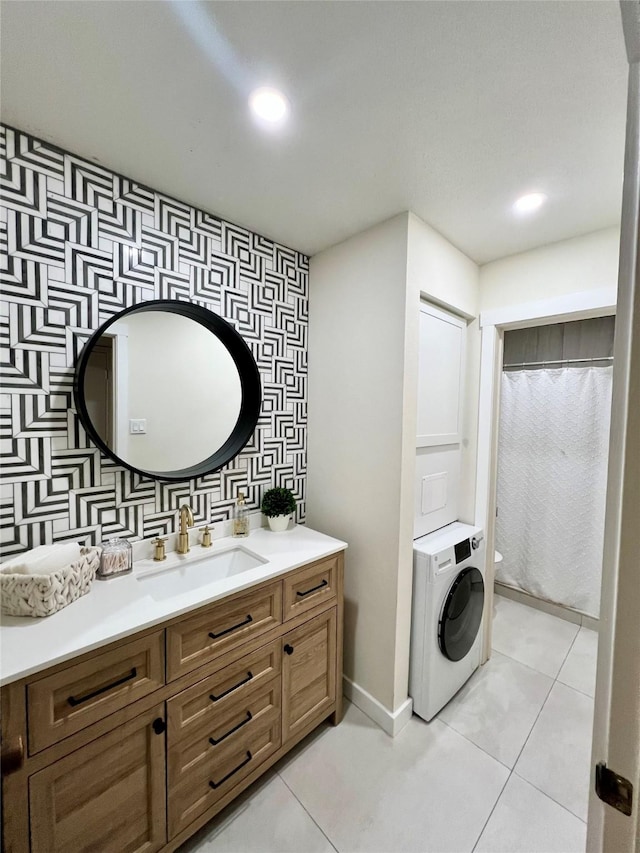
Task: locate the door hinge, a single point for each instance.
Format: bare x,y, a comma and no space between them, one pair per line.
613,789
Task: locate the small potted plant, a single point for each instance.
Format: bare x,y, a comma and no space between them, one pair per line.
278,504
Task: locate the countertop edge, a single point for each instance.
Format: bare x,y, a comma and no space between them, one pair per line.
215,594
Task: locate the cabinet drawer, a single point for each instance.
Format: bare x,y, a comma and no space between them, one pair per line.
206,701
310,586
62,704
211,777
226,625
205,747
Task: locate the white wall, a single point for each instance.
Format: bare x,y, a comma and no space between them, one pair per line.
443,273
357,319
583,263
363,377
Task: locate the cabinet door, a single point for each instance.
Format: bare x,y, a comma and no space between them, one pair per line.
440,377
108,795
308,673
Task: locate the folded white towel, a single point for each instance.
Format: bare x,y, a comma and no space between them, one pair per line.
43,560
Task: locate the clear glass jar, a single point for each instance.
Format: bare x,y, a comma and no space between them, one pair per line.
116,559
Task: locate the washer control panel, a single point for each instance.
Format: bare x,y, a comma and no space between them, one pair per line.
462,550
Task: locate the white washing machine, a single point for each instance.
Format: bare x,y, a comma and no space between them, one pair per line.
448,600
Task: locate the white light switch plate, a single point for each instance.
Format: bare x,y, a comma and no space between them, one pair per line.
137,426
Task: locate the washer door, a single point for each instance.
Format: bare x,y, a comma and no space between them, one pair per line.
461,615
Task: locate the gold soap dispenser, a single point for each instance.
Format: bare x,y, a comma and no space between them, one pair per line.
240,518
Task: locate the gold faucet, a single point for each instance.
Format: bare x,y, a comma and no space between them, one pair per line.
186,521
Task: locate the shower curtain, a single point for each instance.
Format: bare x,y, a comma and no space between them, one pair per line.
552,476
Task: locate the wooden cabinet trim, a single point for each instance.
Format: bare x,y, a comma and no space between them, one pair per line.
15,834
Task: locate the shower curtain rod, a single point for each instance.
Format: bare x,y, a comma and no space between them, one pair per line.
557,361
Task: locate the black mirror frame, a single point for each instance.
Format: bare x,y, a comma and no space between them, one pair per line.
249,380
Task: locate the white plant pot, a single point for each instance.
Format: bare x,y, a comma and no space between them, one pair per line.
278,523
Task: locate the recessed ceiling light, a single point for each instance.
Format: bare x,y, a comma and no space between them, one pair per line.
268,104
529,202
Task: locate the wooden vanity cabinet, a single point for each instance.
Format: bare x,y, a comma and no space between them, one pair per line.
134,747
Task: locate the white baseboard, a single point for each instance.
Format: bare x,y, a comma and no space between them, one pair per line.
566,613
391,722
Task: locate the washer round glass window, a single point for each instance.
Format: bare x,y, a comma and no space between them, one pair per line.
461,615
168,389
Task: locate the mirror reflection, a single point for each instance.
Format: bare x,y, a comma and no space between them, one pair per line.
162,391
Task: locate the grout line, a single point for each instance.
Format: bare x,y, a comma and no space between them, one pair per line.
568,653
477,746
484,825
512,770
577,689
546,698
555,681
528,666
534,723
311,817
549,797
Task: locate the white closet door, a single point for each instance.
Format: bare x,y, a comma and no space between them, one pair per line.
440,377
439,425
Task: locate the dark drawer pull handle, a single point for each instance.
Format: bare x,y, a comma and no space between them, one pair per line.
288,650
78,700
233,628
231,689
313,588
215,785
242,723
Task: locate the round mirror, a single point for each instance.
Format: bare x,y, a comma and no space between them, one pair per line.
168,389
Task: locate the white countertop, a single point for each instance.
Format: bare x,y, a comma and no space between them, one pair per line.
122,606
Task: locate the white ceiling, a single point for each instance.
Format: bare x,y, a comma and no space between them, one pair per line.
449,109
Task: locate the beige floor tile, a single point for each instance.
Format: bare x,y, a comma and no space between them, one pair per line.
497,707
579,669
266,819
557,757
527,821
428,790
531,637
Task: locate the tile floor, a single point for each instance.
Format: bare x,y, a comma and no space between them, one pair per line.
504,768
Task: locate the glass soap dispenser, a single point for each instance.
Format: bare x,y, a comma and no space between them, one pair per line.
240,518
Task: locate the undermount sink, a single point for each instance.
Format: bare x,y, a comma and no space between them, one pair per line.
184,573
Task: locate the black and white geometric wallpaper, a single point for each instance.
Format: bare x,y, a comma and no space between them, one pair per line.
79,243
